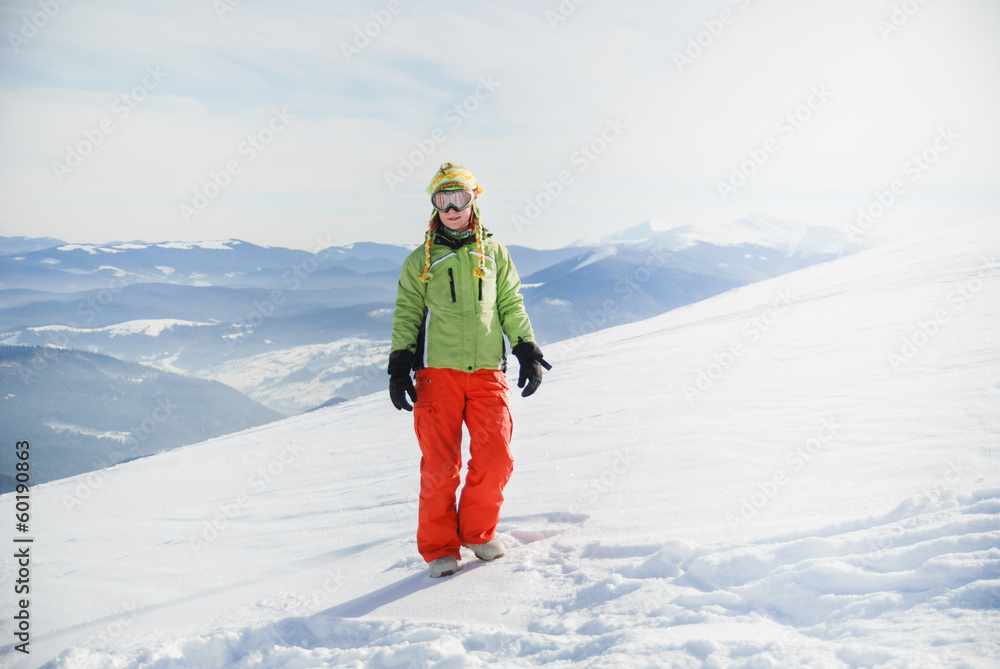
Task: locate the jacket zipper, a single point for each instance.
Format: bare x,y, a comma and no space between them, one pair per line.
451,280
480,290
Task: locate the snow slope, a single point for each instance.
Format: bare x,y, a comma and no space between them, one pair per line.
800,472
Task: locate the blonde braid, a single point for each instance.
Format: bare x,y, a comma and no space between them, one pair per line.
480,270
427,276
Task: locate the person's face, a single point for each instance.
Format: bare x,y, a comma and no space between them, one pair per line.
456,220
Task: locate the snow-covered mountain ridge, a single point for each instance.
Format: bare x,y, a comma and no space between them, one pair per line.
121,247
231,263
788,237
750,481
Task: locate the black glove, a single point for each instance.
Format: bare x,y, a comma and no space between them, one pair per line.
530,357
400,383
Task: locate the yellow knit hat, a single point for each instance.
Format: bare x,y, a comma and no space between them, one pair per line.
454,177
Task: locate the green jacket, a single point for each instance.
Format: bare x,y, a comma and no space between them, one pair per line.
457,320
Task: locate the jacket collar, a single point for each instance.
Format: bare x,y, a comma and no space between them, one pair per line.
455,244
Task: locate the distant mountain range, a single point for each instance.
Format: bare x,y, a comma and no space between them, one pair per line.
650,268
294,329
83,411
71,268
790,238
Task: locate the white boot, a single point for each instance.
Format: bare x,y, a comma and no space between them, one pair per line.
489,551
444,566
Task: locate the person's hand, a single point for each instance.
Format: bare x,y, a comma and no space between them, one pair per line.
400,383
531,360
399,388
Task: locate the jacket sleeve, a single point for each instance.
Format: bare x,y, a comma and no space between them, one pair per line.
510,303
409,306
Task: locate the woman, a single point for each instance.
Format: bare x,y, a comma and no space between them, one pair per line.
458,295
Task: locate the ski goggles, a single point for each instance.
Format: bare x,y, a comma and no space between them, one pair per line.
443,200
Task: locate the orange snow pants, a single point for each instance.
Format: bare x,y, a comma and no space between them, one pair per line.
446,397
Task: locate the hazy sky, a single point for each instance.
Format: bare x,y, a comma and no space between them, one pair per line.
305,124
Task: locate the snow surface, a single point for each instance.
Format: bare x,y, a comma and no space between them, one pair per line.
596,256
92,249
803,472
213,245
151,327
119,247
100,434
